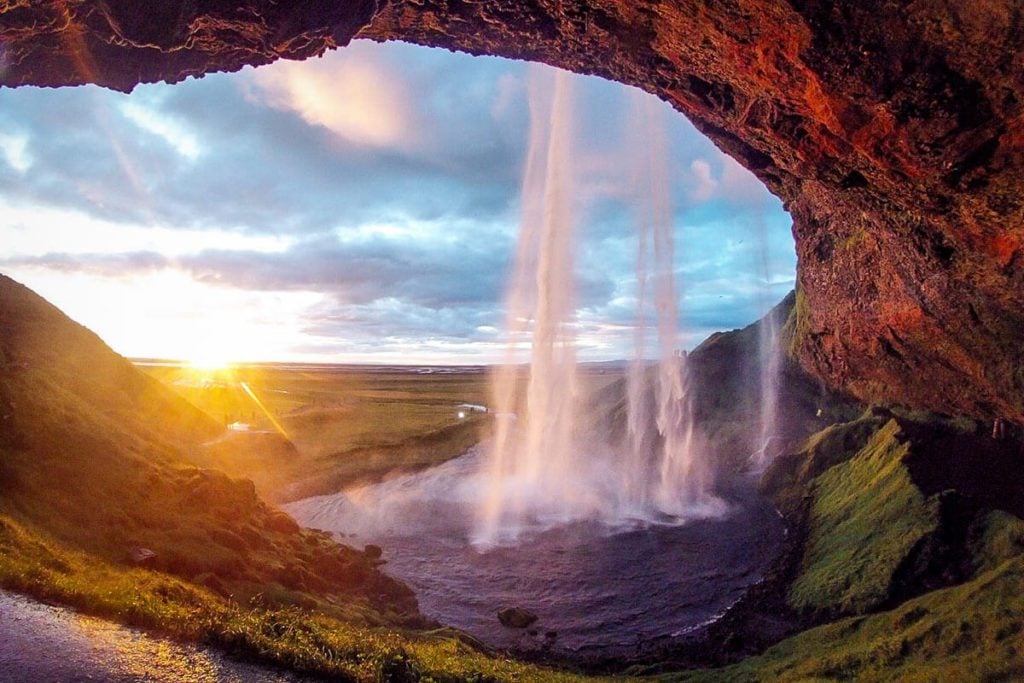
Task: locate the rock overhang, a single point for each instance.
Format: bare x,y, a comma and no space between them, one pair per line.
893,132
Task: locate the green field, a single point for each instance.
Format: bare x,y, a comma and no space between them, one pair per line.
315,429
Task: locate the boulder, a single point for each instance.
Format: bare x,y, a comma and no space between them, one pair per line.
516,617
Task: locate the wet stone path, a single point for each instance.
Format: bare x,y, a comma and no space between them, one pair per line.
41,643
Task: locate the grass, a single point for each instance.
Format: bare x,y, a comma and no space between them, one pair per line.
970,632
326,410
1002,540
341,425
293,638
865,518
94,454
789,478
96,457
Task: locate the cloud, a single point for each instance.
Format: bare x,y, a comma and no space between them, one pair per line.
351,93
385,179
703,186
14,150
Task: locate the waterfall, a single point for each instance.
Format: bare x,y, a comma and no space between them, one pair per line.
540,469
681,487
769,358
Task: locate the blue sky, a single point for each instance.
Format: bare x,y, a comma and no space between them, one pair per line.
360,207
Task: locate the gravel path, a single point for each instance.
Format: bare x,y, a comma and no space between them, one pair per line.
44,644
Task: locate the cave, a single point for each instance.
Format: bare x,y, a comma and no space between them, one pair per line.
892,133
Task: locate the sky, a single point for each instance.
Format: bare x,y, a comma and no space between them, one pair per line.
359,207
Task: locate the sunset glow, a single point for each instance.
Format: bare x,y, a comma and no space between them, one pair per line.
357,208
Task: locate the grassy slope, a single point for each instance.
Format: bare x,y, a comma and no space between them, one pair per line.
92,457
969,632
290,637
866,517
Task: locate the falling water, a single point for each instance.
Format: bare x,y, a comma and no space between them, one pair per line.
681,486
541,470
531,459
769,359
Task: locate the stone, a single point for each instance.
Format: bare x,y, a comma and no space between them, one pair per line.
516,617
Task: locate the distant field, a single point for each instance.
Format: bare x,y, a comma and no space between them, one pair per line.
301,430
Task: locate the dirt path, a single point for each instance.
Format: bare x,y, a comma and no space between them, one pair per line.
40,643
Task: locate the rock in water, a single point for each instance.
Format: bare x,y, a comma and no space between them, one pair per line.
516,617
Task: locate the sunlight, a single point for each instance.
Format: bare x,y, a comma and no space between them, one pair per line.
208,363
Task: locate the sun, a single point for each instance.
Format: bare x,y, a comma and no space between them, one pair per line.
207,360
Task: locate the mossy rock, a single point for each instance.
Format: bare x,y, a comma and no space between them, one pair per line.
866,516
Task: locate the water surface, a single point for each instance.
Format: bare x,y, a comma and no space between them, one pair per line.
603,588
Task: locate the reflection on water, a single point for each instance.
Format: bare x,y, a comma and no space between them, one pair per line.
597,586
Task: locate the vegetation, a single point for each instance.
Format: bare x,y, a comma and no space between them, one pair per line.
790,476
94,455
865,515
298,639
970,632
314,430
865,518
97,460
1002,540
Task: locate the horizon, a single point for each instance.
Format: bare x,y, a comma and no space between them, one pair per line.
360,208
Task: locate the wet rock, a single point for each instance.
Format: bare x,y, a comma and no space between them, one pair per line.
373,552
516,617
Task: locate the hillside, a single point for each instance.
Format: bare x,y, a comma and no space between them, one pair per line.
724,384
94,457
908,550
904,556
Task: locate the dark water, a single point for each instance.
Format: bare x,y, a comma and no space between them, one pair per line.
602,589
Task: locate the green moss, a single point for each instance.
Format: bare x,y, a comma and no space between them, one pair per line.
970,632
1002,540
865,517
797,325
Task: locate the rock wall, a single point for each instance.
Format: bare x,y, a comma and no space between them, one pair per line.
894,133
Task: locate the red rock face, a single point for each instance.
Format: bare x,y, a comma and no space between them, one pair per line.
894,132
